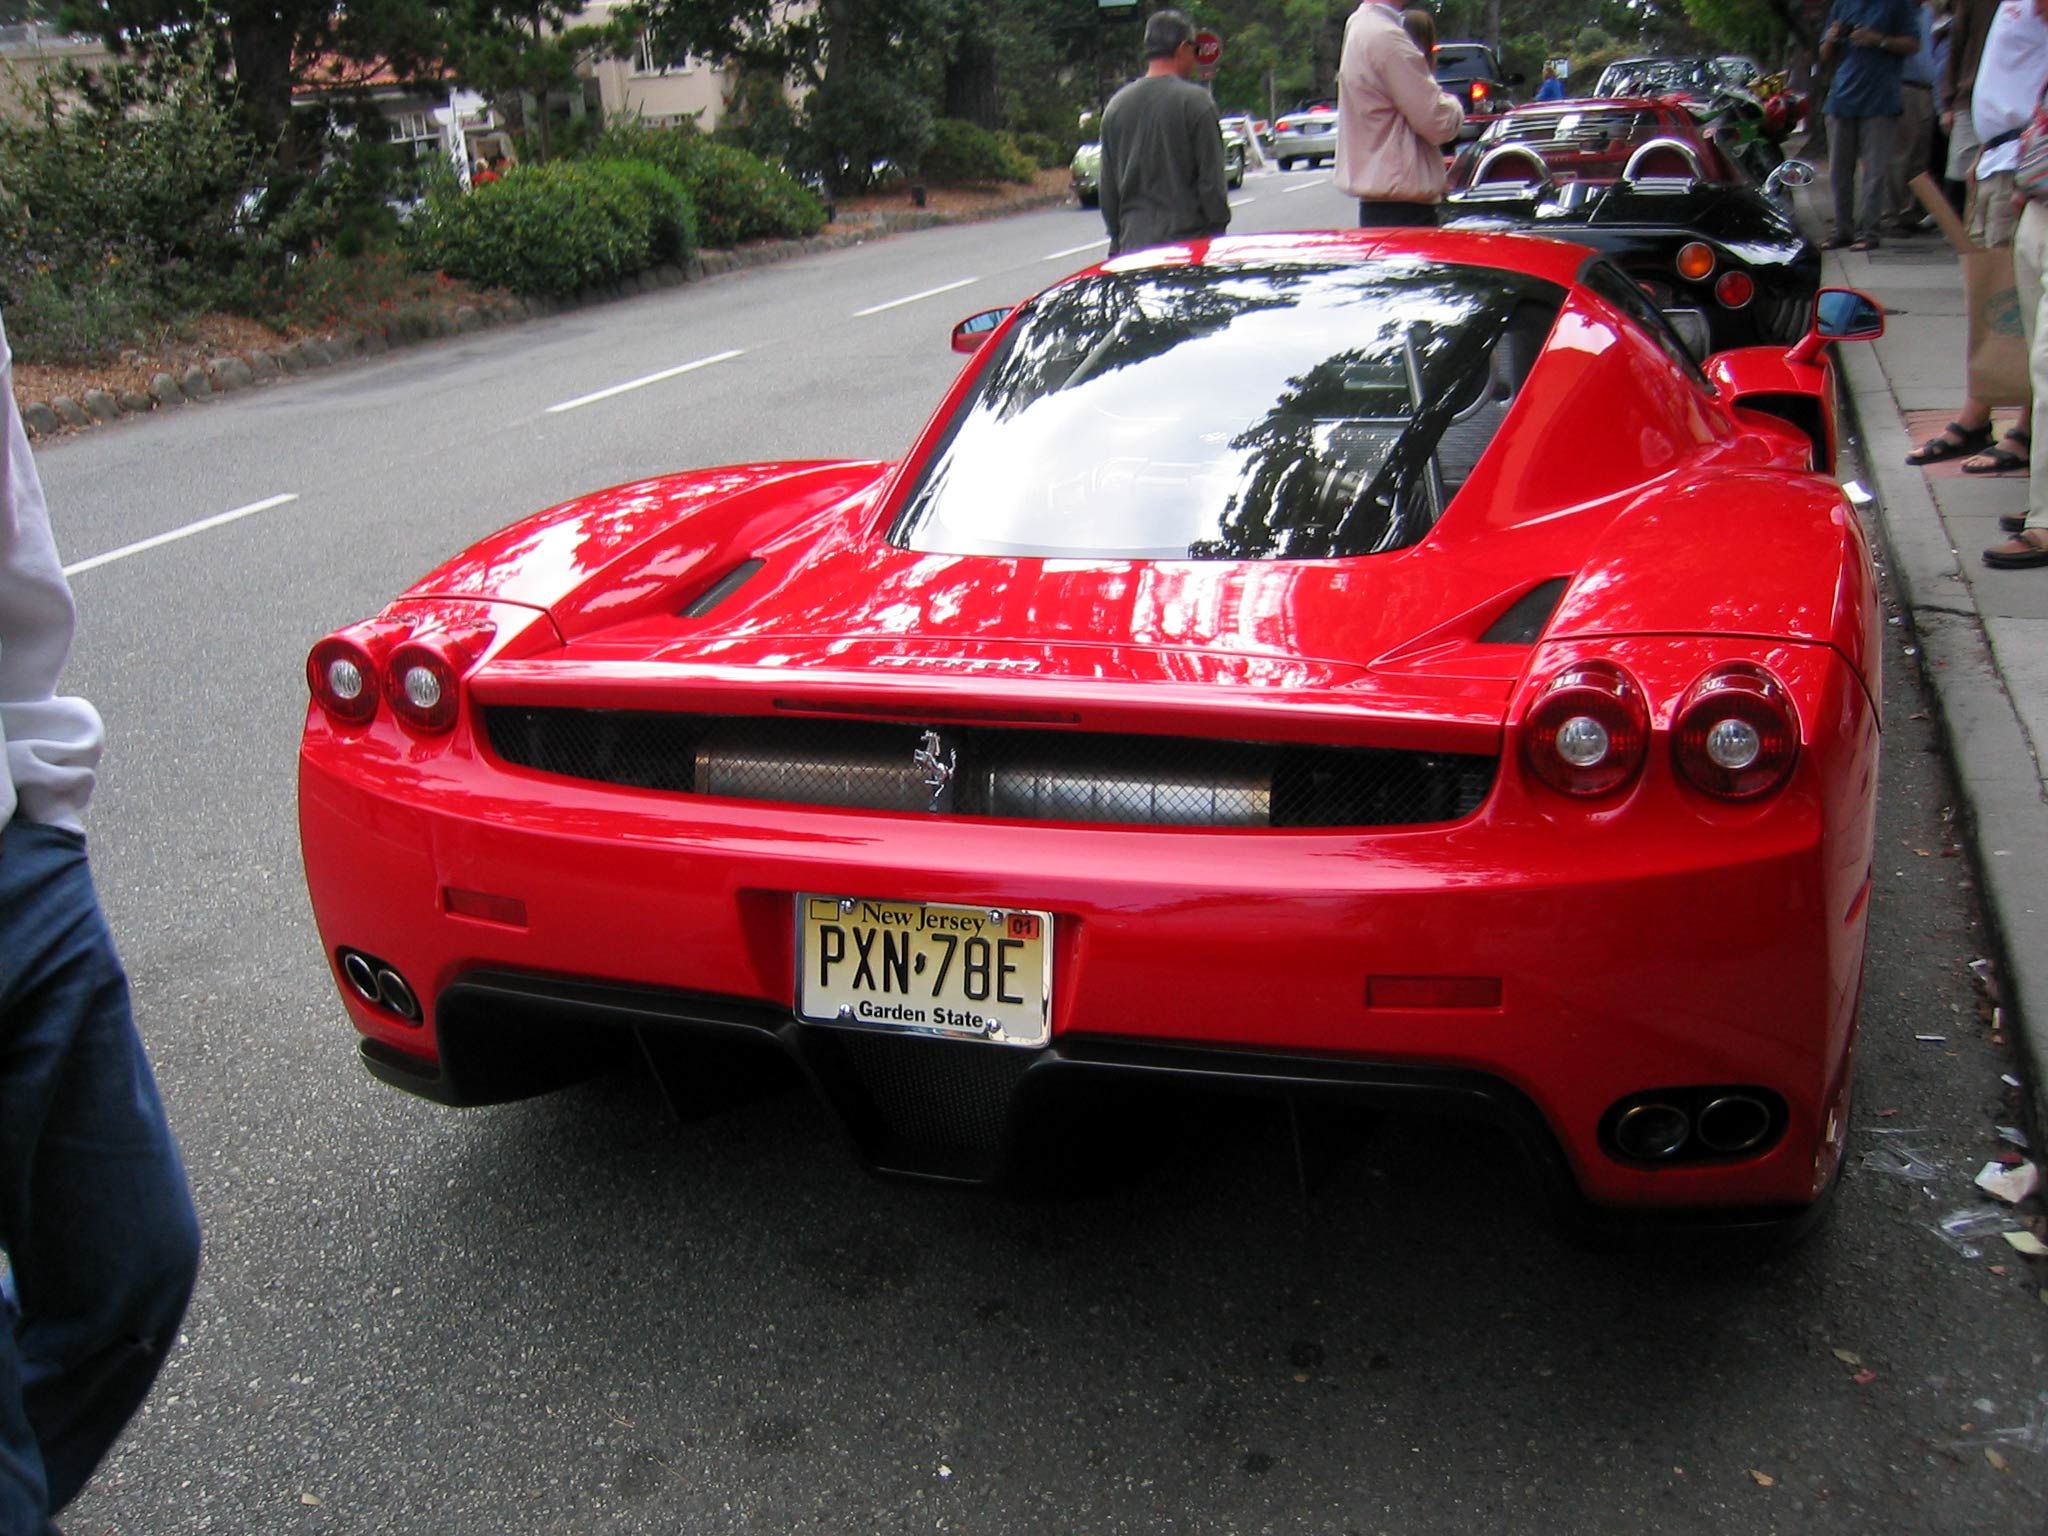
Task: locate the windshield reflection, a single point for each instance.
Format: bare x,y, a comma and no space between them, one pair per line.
1293,412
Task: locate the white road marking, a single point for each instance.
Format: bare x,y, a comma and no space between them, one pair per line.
1239,202
185,532
1074,250
1314,181
652,378
912,298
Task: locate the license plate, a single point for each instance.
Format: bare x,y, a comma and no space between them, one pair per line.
923,968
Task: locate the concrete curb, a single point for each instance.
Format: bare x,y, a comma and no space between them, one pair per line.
1997,773
232,372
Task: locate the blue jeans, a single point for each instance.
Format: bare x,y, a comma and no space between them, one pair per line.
95,1215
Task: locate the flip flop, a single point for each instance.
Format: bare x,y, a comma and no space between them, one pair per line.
1996,460
2022,551
1954,441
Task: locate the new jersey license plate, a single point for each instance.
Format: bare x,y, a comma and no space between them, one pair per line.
924,968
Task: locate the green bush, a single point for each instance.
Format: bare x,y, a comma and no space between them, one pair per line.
553,229
672,218
138,158
1042,149
862,126
760,119
737,196
961,153
80,313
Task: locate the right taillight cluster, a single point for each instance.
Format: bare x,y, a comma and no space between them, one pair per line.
1733,735
381,663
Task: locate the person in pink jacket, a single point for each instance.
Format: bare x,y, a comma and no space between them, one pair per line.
1391,118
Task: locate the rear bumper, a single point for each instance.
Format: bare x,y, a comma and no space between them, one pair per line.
954,1110
1299,146
1622,965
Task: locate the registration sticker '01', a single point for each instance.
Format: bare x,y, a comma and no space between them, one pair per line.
915,967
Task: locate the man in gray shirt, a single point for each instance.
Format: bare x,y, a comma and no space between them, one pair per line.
1162,148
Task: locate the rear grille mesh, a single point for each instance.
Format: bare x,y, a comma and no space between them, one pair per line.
1031,775
937,1096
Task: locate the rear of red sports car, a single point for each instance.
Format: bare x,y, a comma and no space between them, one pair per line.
1251,676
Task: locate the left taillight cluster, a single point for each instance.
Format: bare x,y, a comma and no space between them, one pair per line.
417,674
1696,263
1733,734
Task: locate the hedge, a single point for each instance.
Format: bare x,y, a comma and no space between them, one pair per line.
738,196
555,229
961,152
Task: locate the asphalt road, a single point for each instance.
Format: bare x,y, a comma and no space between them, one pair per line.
573,1315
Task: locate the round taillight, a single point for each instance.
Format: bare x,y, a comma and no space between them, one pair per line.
1589,732
420,678
1735,735
1734,290
1695,261
342,677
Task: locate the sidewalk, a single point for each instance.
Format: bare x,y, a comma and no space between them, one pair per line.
1982,634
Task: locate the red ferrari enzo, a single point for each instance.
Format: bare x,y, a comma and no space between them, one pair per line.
1381,665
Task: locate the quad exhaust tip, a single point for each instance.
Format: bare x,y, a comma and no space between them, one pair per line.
1668,1126
1735,1122
378,983
1653,1131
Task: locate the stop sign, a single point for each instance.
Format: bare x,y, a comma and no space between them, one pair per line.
1208,54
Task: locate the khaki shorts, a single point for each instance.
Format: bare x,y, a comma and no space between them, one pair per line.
1988,213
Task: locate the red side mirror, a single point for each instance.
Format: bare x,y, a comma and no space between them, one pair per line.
1839,314
970,333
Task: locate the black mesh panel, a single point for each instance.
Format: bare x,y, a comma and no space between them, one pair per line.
1028,775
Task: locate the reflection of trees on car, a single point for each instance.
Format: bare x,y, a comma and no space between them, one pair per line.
1356,452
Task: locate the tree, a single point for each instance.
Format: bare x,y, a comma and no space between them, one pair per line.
1758,27
273,44
14,13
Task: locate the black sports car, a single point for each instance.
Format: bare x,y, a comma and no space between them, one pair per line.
1645,182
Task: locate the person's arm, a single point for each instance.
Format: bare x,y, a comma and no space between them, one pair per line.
51,743
1899,36
1106,188
1405,76
1212,176
1962,24
1834,33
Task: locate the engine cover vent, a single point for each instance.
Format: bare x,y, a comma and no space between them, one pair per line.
982,771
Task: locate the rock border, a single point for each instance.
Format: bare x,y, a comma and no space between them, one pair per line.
232,372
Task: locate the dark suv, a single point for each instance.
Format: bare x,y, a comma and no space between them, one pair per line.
1470,72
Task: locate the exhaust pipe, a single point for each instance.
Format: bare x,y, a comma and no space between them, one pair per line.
360,975
1734,1123
1653,1131
394,994
377,984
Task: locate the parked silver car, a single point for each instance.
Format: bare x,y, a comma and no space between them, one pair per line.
1308,133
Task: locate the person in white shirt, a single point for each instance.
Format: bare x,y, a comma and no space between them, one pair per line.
96,1218
2012,85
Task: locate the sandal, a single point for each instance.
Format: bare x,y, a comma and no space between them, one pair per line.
2012,522
2024,550
1954,441
1867,243
1999,459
